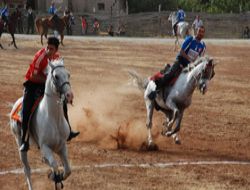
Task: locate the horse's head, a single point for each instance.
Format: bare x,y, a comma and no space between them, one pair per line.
60,79
172,16
207,73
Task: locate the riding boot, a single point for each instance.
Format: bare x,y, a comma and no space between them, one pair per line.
28,101
25,145
72,134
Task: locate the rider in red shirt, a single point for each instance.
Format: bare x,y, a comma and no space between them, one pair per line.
34,87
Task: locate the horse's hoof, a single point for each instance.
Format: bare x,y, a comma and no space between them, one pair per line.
152,147
149,147
178,142
168,133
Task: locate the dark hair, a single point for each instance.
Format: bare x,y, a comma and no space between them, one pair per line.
203,27
53,41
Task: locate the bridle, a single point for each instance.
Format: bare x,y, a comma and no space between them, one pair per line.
55,82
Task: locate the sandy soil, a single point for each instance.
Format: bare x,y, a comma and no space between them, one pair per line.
215,128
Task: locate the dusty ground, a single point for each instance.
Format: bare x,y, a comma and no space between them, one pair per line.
215,128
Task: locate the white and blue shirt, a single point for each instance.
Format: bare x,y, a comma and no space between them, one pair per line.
180,15
193,48
52,10
5,12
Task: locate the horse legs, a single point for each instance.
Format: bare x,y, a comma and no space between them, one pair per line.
150,109
48,157
62,37
170,104
176,42
43,34
42,39
165,127
64,158
13,40
16,129
174,133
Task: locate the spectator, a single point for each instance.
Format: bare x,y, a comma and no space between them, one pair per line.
66,12
30,21
96,26
110,30
4,14
246,32
197,23
71,20
19,20
121,30
84,25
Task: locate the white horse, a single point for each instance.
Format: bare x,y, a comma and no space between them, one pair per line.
183,28
49,129
173,100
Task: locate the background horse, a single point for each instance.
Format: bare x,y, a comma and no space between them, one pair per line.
44,24
48,126
183,28
11,28
173,100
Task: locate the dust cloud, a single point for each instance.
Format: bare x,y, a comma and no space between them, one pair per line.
105,116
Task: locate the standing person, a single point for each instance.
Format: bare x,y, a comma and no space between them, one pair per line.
71,21
34,87
246,32
191,49
84,25
110,30
52,9
96,26
180,17
68,25
197,23
30,21
19,20
4,13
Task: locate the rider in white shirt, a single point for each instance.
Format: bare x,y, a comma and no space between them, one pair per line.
197,23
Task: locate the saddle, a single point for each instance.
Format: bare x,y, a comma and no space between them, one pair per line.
17,114
54,21
160,74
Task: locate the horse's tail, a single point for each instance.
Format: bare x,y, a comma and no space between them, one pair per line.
139,81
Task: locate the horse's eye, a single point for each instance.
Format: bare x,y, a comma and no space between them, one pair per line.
56,77
68,75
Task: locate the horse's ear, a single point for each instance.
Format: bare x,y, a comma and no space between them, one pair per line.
62,60
211,61
51,65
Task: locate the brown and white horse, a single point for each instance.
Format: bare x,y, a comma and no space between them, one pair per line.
57,24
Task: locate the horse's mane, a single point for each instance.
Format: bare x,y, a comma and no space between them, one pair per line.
58,62
195,63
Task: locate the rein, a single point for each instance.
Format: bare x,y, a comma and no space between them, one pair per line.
58,88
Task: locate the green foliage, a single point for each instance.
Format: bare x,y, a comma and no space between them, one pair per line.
211,6
150,5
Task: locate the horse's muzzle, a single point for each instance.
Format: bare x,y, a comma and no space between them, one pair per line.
203,88
69,96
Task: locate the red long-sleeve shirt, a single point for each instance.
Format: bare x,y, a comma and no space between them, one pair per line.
38,66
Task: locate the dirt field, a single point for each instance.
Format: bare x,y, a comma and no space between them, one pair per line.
215,129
